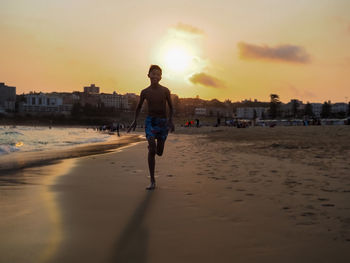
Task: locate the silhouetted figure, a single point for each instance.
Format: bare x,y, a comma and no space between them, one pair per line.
218,122
156,124
197,123
117,128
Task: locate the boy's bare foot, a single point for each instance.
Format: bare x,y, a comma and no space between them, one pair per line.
152,186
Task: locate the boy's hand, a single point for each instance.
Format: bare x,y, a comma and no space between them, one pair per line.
171,126
132,126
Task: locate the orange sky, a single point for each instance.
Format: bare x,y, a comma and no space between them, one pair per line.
215,49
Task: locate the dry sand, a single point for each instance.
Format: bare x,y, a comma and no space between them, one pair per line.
224,195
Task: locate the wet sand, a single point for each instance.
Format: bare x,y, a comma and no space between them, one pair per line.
20,160
223,195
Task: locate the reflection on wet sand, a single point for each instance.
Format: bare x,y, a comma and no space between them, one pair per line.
31,222
54,214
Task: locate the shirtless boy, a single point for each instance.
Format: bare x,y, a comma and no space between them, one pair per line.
156,124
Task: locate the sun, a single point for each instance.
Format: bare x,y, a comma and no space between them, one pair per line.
177,59
176,56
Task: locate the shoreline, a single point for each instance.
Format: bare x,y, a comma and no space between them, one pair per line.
20,160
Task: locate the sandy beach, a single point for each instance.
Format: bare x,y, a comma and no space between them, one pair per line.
223,195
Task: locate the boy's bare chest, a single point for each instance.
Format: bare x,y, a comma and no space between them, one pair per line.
155,96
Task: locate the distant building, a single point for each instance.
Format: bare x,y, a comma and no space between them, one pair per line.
7,97
92,89
200,111
92,99
339,107
68,99
316,109
249,112
114,100
42,103
133,99
288,109
219,112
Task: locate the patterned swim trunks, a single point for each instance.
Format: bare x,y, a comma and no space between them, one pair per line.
156,127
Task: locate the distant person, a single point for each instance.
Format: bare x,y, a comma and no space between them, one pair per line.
156,124
197,123
118,128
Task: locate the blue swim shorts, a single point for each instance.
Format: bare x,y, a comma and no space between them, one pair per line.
156,127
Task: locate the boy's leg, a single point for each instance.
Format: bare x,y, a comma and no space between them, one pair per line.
151,158
160,147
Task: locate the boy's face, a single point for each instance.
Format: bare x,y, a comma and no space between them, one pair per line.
155,76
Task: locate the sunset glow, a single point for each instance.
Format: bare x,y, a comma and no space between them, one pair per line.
177,59
236,49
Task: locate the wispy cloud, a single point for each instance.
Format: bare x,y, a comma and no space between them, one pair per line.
301,94
284,53
185,28
206,80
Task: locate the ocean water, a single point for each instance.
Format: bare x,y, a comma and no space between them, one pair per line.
36,139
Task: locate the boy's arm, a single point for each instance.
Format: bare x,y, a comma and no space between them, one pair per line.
137,112
171,111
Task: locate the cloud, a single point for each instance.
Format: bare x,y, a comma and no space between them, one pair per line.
206,80
284,53
188,29
304,94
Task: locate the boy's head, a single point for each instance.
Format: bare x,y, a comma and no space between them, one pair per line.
155,74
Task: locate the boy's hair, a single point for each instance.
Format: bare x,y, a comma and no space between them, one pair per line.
153,67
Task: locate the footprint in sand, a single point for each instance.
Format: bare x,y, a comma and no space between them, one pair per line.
310,207
323,199
308,214
305,223
328,190
254,181
217,178
291,183
253,172
308,194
